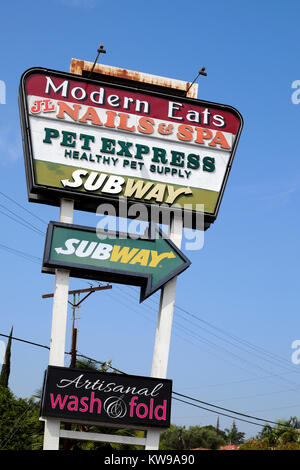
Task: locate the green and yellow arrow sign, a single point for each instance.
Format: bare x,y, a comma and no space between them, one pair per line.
148,263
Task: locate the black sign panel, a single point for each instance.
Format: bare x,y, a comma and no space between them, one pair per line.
85,396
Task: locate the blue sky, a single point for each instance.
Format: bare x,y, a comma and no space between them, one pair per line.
243,286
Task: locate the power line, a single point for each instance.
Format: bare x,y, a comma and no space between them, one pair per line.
258,349
47,347
236,338
237,381
25,341
102,363
245,343
219,413
191,333
174,393
37,260
22,254
33,258
18,424
22,207
26,225
217,347
20,217
223,409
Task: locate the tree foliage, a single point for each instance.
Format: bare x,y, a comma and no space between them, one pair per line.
194,437
234,436
5,370
20,428
284,436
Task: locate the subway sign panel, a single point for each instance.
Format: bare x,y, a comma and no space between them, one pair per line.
98,142
90,254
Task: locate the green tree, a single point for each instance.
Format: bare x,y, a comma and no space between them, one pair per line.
284,432
5,370
233,436
283,436
172,438
207,437
255,444
19,422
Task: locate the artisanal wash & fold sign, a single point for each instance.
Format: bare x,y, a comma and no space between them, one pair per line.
98,142
106,398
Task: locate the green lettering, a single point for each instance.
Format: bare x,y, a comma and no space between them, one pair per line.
50,134
209,164
193,161
86,141
159,155
124,149
140,150
177,158
67,140
108,145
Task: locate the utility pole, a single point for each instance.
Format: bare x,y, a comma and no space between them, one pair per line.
75,309
74,332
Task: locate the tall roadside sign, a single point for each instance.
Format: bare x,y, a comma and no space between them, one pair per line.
103,136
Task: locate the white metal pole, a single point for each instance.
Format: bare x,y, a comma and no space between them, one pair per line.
59,326
164,326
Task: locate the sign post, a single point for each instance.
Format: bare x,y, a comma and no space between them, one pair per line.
59,325
164,327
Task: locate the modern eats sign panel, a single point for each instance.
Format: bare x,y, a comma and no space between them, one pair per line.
97,142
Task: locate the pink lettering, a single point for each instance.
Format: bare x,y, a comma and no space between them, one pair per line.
85,406
164,411
132,404
58,401
140,415
95,400
73,404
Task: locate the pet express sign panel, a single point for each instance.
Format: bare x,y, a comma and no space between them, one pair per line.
97,142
